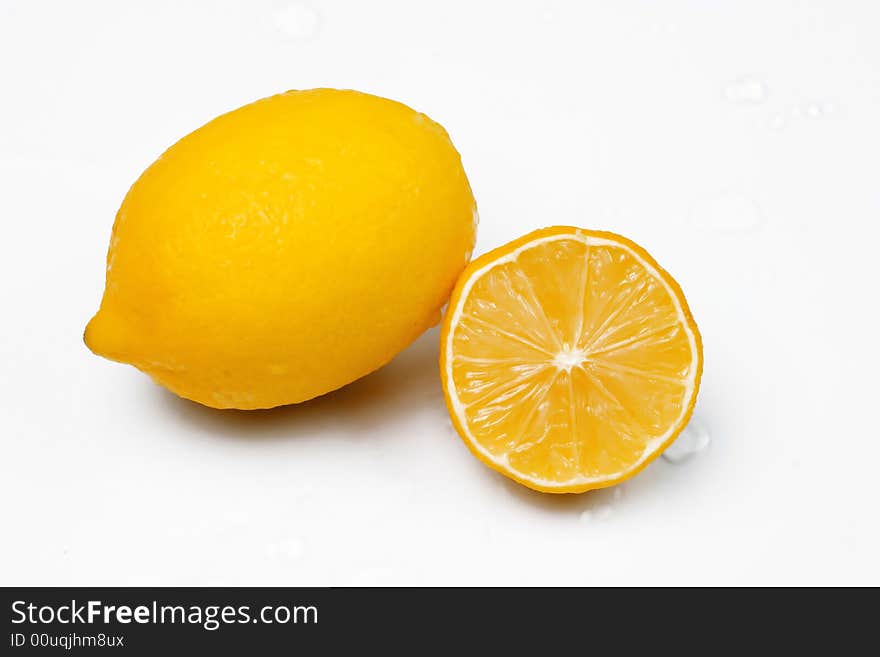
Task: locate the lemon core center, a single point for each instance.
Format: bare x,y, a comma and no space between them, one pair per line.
568,358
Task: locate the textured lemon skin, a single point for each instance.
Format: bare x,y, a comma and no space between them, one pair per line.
285,249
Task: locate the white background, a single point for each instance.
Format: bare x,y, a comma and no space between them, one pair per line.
737,141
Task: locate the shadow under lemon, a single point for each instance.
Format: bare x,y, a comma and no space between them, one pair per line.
600,502
405,385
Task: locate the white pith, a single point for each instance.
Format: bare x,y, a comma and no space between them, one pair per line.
567,360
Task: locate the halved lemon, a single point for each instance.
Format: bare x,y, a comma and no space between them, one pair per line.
569,359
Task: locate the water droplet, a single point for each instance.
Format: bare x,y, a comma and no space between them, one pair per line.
777,121
746,90
599,513
297,20
727,211
287,548
693,440
617,493
664,28
818,110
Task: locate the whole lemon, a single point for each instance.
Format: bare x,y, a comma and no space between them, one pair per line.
285,249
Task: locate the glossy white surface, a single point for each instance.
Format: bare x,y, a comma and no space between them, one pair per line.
738,142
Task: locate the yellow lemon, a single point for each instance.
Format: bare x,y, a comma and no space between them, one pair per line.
570,359
285,249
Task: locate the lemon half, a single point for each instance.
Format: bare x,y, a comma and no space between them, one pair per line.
570,359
